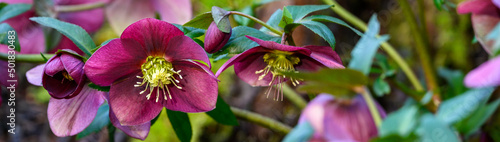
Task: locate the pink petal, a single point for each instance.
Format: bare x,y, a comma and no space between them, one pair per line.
130,107
240,57
199,89
174,11
113,61
246,68
136,131
308,65
281,47
69,117
54,65
17,1
497,3
183,47
482,25
34,75
326,56
120,15
314,112
486,75
483,7
74,67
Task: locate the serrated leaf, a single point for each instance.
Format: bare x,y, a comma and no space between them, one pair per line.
100,121
299,12
274,21
190,31
381,87
472,124
432,129
401,122
6,32
462,106
301,133
325,18
13,10
221,19
180,123
76,33
322,30
286,18
364,51
100,88
52,38
201,21
222,113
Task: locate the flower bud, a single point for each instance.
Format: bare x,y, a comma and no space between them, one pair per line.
215,39
63,75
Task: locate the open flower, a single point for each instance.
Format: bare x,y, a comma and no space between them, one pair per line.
485,16
63,75
151,66
335,120
262,65
486,75
215,39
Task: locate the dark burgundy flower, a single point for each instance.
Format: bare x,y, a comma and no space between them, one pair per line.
63,75
215,39
261,65
336,120
151,66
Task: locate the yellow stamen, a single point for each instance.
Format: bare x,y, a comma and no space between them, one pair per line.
158,74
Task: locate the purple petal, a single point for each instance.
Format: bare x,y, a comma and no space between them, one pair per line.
314,112
308,64
199,89
326,56
130,107
34,75
154,35
483,7
246,68
281,47
183,47
113,61
136,131
215,39
174,11
54,65
238,58
497,3
82,19
120,15
482,25
17,1
30,34
486,75
69,117
74,67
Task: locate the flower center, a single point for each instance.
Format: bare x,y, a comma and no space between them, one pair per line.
158,74
278,62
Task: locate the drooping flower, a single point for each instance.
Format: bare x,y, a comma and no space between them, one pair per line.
120,16
63,75
335,120
151,66
486,75
262,65
485,16
215,39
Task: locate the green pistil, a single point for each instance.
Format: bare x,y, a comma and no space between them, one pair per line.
278,62
158,73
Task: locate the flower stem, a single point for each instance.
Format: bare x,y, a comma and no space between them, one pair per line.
28,58
261,120
79,7
258,21
371,105
295,98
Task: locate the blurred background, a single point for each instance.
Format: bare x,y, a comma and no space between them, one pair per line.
453,52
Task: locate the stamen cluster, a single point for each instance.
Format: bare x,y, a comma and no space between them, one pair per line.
158,74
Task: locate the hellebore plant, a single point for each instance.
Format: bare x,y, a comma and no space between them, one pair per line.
63,75
340,120
151,66
215,39
263,65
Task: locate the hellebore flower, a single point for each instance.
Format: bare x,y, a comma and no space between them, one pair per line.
335,120
151,66
485,16
120,15
486,75
261,65
63,75
215,39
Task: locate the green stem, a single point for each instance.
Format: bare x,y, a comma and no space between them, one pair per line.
385,46
261,120
371,105
28,58
293,96
79,7
258,21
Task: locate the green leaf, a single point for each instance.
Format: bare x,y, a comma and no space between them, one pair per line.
365,49
273,21
243,21
462,106
180,123
100,88
201,21
286,19
325,18
299,12
472,124
381,87
455,80
100,121
322,30
433,130
301,133
221,18
76,33
222,113
190,31
44,58
13,10
52,38
438,4
401,122
8,36
238,43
